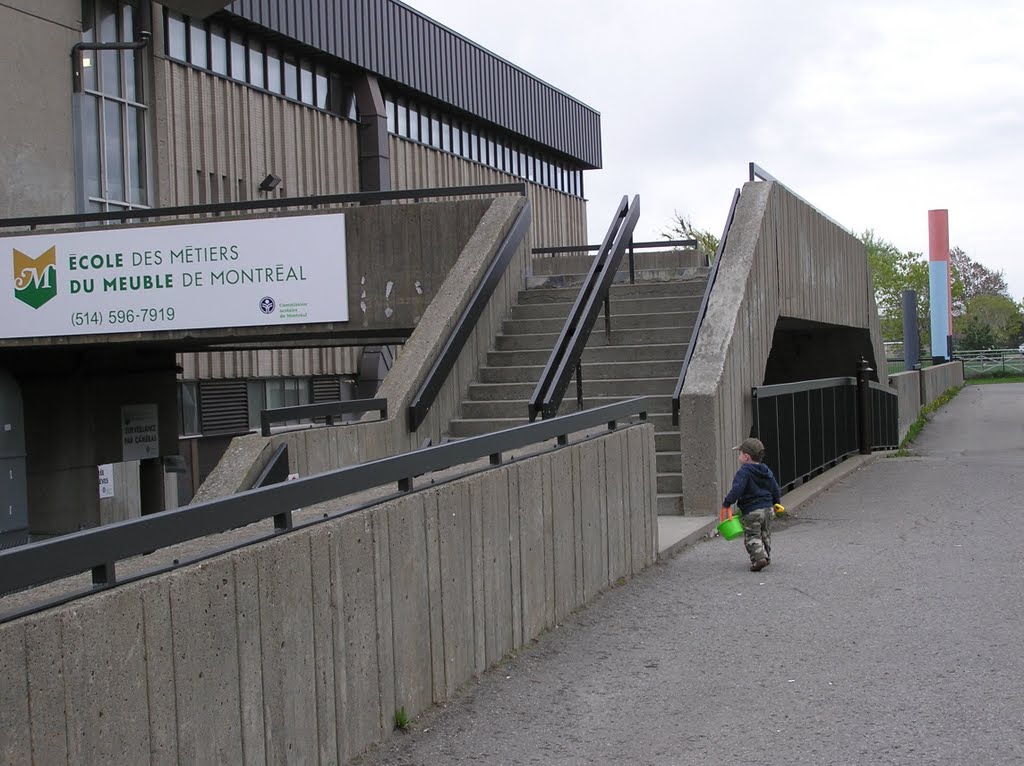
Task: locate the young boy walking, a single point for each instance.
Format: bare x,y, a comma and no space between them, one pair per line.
755,492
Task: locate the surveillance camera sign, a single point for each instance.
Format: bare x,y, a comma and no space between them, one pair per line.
140,433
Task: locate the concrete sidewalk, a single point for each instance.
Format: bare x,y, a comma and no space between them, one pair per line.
678,532
886,631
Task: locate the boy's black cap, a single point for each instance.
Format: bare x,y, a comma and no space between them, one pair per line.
752,447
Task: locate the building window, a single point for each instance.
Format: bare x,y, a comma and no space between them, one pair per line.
188,408
273,393
112,114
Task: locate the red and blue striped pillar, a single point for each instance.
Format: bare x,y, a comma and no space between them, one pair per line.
939,289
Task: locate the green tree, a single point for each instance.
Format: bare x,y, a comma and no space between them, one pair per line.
680,227
894,271
989,321
971,279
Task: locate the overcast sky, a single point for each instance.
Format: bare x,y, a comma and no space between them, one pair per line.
874,111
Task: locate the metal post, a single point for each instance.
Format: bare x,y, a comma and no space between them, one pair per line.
579,384
632,266
911,340
607,317
864,406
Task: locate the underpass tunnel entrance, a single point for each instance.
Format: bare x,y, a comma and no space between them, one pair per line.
806,350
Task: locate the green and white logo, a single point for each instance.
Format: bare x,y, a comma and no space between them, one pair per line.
35,279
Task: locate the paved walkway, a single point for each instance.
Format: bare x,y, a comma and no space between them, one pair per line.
889,629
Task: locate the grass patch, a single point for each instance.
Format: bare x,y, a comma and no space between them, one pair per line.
923,418
401,719
996,378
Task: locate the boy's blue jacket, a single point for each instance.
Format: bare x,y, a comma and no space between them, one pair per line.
754,487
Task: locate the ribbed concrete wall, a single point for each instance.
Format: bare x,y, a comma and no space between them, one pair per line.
320,449
558,219
782,259
908,389
936,380
216,139
265,363
300,650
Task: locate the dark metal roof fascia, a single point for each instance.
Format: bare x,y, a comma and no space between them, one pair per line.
545,114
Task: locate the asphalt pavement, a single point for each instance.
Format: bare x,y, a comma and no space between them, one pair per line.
889,629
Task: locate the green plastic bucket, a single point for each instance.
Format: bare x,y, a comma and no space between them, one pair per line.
729,528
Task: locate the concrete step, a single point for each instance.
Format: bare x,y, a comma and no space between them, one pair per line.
673,352
519,408
668,462
619,306
591,371
642,276
460,428
670,483
666,441
670,504
622,389
597,338
618,322
693,286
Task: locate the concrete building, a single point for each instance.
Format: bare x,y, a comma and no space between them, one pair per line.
132,105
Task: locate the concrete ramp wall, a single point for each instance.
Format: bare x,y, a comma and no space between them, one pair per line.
299,650
919,388
320,449
782,259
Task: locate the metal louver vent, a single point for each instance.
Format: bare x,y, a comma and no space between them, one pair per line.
223,407
326,389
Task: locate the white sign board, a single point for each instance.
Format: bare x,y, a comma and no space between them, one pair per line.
274,271
140,433
106,474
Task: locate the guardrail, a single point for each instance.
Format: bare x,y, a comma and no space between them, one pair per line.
565,356
354,198
633,246
810,426
99,550
442,367
703,310
328,410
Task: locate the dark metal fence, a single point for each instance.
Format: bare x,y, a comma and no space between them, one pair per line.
99,550
811,426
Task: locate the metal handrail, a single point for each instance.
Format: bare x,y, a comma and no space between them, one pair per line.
268,204
98,550
758,173
321,409
445,362
703,310
634,245
568,349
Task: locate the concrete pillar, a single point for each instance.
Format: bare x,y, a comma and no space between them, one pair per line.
939,288
911,340
374,148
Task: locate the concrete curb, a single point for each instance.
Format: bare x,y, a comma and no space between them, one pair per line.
676,533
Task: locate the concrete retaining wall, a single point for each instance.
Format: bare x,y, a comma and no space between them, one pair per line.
320,449
783,259
299,650
908,390
936,380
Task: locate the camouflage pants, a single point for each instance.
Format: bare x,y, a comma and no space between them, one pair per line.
757,533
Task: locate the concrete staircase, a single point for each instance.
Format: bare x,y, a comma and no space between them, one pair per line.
651,325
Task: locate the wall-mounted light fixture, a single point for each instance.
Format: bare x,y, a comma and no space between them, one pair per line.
270,183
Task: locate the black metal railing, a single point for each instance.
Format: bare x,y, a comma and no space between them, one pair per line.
690,244
442,367
565,357
703,310
99,550
810,426
216,208
327,410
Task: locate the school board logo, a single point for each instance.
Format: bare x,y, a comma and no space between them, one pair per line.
267,305
35,279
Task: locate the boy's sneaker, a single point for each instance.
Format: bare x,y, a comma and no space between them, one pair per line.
757,566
